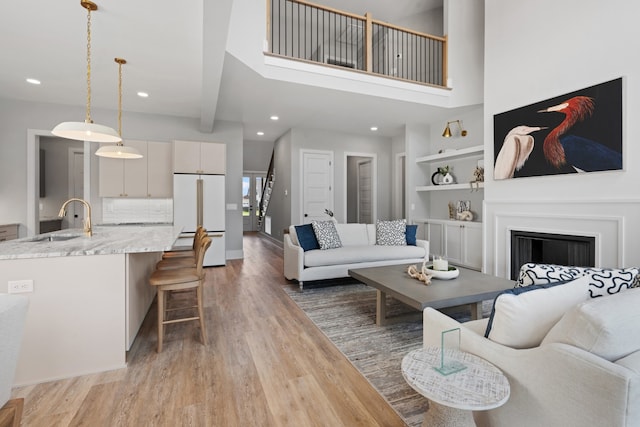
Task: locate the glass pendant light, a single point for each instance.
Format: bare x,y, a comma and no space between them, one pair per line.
119,151
87,130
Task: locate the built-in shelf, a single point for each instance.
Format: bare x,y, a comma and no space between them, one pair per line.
452,154
465,186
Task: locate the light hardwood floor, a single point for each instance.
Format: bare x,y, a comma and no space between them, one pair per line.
266,364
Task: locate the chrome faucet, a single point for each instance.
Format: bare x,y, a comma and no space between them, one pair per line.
87,219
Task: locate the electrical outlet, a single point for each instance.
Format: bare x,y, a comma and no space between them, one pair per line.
20,286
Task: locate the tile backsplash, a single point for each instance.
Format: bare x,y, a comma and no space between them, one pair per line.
127,211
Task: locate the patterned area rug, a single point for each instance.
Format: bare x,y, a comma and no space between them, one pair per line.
346,315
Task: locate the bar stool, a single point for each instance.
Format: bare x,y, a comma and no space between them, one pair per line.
189,252
183,261
180,279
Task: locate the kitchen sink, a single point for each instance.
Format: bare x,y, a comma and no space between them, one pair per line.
53,238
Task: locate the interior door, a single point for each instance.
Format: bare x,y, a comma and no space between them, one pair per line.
317,185
252,185
365,211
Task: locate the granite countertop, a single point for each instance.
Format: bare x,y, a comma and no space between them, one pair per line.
105,240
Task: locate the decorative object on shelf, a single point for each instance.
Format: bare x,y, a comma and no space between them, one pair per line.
442,176
463,211
452,211
119,151
421,275
478,177
447,130
87,130
580,132
464,216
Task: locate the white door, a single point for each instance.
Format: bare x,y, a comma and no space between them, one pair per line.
365,200
317,185
252,185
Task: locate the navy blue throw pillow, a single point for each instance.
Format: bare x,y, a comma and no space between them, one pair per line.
411,234
307,237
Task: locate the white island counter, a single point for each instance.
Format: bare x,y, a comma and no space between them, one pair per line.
89,298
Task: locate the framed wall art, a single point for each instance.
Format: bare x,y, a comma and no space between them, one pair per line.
577,132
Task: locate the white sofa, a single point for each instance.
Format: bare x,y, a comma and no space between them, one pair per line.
358,250
585,372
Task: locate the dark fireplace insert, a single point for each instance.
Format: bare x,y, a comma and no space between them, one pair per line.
546,248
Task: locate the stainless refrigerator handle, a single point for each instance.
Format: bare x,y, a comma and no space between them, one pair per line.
199,189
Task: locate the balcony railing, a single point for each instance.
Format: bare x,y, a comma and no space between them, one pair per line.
308,32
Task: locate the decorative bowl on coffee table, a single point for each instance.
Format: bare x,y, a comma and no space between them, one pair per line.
451,273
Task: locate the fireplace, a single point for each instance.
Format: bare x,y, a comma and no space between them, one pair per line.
547,248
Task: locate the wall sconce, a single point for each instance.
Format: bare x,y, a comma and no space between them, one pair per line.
447,130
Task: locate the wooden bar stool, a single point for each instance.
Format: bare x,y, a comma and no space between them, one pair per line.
189,252
180,279
184,261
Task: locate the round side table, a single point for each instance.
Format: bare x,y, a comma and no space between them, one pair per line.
481,386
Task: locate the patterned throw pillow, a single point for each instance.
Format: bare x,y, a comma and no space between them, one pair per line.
602,281
326,234
391,233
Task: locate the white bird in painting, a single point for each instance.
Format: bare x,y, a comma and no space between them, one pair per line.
515,151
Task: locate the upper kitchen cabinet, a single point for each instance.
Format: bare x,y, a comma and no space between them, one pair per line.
148,177
199,157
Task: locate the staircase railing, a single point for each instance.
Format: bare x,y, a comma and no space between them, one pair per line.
309,32
267,188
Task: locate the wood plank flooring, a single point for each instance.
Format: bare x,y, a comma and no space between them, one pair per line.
266,364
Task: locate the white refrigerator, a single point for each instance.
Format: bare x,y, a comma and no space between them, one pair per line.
200,200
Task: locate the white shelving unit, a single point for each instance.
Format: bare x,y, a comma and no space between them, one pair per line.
452,154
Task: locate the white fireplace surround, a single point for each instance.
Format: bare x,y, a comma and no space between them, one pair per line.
607,221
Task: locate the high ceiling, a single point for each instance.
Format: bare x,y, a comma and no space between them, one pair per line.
163,44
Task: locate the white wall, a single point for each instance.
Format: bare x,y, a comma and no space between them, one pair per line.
257,155
538,49
16,117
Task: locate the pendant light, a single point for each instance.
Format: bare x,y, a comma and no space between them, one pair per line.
119,151
87,130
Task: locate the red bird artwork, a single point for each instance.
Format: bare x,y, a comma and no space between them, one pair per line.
561,147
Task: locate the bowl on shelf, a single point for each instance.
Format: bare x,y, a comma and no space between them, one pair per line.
451,273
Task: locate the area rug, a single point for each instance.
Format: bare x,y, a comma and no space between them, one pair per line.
346,315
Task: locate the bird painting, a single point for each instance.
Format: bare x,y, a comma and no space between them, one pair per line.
516,148
563,148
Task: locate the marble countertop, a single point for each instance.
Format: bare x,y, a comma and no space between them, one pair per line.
105,240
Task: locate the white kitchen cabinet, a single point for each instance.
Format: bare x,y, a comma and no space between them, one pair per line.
460,242
159,176
199,157
149,176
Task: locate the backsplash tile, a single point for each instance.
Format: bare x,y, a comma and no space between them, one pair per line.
135,211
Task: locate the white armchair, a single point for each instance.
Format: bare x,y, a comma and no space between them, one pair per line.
13,311
560,382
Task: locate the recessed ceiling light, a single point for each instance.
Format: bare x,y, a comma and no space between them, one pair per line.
374,128
33,81
143,94
260,133
274,117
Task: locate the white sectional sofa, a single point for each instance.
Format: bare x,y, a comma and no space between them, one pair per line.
584,372
359,250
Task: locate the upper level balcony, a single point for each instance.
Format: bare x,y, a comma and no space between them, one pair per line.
313,33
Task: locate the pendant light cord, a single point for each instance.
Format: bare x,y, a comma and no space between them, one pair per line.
88,116
120,98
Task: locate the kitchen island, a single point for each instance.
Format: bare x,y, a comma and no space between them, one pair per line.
87,295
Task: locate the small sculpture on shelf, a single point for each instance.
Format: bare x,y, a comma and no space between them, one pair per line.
478,177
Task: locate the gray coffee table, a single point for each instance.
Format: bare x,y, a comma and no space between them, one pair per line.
469,288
